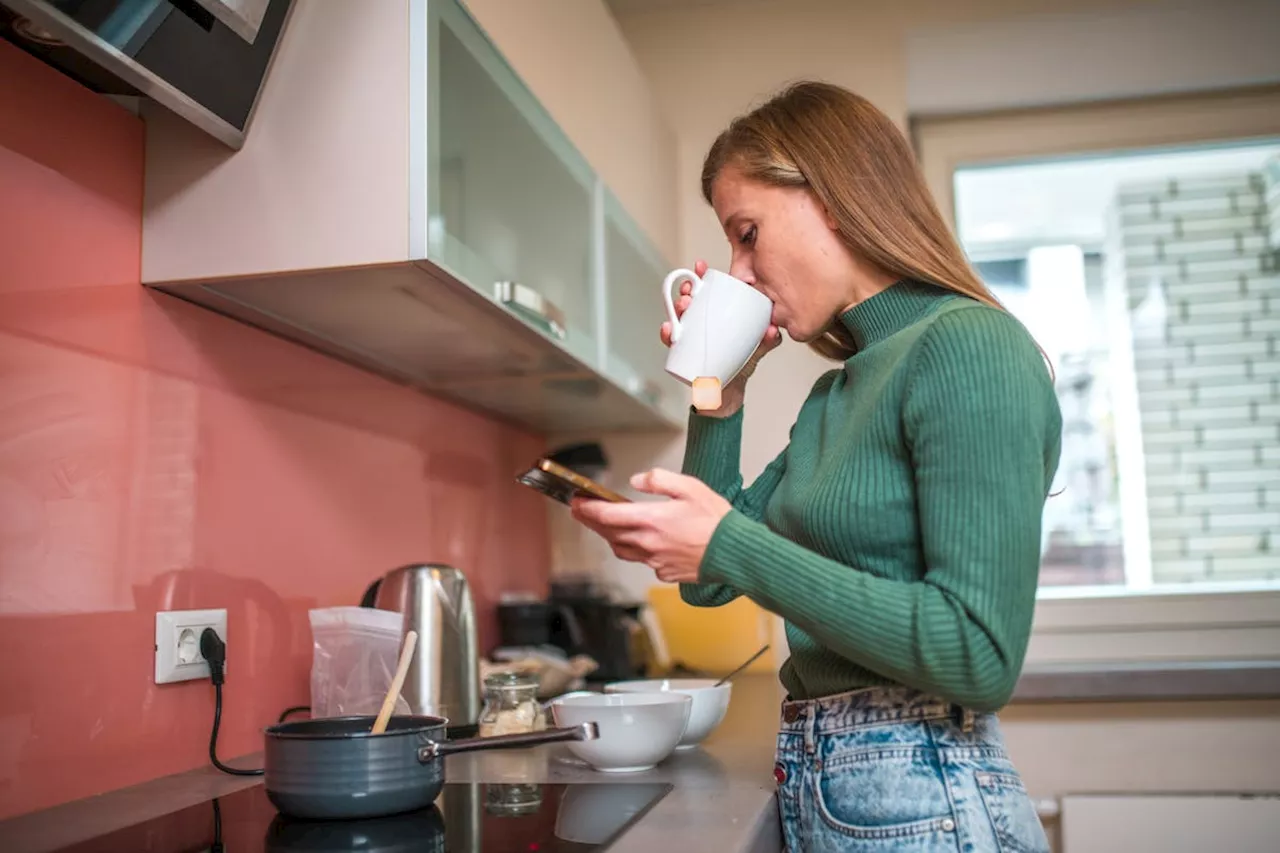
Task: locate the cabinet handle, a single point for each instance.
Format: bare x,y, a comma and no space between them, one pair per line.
532,305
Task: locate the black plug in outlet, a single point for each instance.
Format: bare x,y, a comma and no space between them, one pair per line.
214,651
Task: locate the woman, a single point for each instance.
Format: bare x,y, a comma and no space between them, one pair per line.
898,534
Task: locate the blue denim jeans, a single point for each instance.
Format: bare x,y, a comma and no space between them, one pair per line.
889,768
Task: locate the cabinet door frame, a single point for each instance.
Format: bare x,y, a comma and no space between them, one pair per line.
631,378
428,238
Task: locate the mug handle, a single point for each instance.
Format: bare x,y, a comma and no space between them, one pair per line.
675,277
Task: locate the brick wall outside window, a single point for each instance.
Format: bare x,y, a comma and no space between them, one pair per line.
1208,373
1271,180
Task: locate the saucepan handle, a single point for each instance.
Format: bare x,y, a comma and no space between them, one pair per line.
434,749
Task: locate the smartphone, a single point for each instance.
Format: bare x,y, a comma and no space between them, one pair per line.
562,484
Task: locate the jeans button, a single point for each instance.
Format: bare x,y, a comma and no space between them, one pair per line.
948,825
791,713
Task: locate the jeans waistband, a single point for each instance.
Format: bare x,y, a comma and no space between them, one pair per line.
869,706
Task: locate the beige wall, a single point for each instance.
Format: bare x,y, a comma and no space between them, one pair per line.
708,62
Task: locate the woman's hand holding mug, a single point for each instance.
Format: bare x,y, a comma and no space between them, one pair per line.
732,394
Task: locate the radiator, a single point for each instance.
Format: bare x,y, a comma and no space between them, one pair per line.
1169,823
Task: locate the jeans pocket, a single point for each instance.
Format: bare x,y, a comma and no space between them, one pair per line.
887,799
1013,816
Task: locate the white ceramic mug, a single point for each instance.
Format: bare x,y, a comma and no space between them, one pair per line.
722,327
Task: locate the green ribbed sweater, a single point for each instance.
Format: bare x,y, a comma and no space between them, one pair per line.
898,534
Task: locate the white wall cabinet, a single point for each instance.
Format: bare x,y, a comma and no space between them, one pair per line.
404,202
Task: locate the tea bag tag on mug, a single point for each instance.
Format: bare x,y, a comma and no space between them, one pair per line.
706,393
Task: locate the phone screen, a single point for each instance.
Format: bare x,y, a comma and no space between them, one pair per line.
561,484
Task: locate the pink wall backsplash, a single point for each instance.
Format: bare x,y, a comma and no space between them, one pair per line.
154,455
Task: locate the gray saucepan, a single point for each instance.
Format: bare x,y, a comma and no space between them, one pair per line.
335,768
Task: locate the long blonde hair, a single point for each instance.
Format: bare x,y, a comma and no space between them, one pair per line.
860,166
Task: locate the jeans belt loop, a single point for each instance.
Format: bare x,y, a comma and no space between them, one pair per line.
963,717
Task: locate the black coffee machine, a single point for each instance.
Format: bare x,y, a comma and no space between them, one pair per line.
579,619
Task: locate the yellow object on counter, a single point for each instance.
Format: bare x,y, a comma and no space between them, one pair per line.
715,640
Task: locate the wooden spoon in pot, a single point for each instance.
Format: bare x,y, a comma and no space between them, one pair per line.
389,703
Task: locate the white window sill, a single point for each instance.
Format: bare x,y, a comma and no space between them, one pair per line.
1155,631
1150,682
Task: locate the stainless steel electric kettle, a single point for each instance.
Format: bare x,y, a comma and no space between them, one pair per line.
444,677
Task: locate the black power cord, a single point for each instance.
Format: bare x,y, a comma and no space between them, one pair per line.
217,847
215,652
288,712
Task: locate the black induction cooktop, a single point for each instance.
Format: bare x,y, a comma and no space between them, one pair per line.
466,818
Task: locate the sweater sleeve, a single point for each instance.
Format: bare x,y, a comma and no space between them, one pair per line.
983,431
713,454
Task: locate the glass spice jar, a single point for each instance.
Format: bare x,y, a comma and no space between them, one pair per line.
511,705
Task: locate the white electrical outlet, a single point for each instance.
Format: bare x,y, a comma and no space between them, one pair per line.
178,632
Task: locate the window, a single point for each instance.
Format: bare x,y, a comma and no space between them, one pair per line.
1147,278
1138,242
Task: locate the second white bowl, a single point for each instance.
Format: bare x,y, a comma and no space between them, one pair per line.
709,702
637,730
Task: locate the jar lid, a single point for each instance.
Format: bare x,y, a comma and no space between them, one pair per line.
511,679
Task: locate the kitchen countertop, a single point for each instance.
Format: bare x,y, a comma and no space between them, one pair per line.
724,792
722,795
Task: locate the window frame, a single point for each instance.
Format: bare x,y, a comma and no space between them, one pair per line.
1101,627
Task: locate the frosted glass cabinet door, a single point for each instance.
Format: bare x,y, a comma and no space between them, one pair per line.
634,271
509,197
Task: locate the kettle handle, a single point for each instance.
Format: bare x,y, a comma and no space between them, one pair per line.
371,594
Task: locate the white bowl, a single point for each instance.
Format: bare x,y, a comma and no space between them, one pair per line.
637,730
709,702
